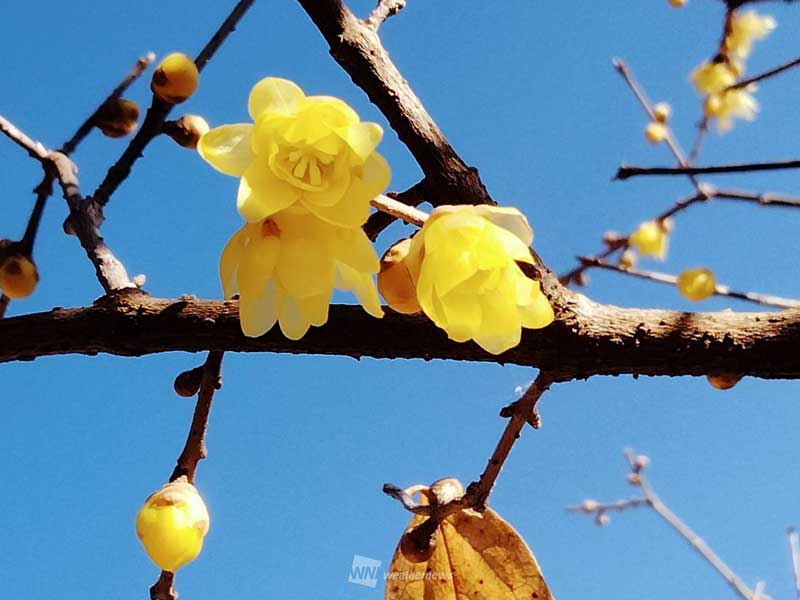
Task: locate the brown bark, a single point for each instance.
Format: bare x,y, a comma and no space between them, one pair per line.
587,339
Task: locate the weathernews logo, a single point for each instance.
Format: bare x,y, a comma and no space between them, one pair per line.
366,571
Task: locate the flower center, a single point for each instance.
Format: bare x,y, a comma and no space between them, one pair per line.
269,228
304,166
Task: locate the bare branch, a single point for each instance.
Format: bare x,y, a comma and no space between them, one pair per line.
164,588
719,289
384,10
586,339
766,74
358,49
158,111
399,210
195,448
83,218
378,221
794,547
628,171
138,69
478,491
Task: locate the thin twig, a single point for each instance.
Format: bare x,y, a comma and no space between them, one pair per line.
686,532
4,302
478,491
592,507
794,547
766,74
83,219
195,448
702,132
158,111
378,221
138,69
164,588
719,289
384,10
628,171
407,213
623,69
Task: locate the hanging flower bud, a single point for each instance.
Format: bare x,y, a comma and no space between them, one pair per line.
175,79
395,282
187,130
18,276
117,117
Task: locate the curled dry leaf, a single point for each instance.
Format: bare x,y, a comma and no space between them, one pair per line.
476,556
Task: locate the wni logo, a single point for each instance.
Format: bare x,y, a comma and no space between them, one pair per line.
364,571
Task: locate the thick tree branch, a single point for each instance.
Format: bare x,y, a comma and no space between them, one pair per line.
358,49
586,339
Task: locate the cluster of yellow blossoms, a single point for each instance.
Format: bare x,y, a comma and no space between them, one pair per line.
714,79
309,170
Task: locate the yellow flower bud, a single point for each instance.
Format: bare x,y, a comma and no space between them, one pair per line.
662,112
187,130
18,276
696,284
395,282
655,132
724,381
677,3
175,79
650,239
172,524
628,259
117,117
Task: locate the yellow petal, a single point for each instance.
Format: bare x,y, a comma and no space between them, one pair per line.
362,138
509,219
262,194
229,261
274,95
315,308
305,267
353,248
257,314
463,311
332,111
500,328
228,148
294,324
257,264
362,285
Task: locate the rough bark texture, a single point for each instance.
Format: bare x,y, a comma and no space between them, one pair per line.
591,339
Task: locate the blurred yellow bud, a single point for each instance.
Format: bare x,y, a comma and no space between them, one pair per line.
724,381
187,130
677,3
662,112
117,117
18,276
650,239
713,77
175,79
655,132
395,282
627,260
172,524
696,284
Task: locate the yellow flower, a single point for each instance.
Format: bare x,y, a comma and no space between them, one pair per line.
285,268
696,284
650,239
464,263
736,103
655,132
18,276
747,28
308,153
713,77
172,524
395,282
175,79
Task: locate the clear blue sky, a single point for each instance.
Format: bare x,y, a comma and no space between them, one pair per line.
300,445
